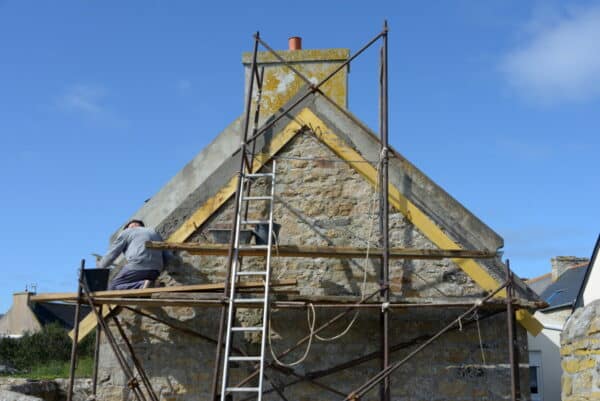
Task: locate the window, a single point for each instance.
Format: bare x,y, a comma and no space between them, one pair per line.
535,375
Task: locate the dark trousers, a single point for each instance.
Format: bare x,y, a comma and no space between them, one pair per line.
128,279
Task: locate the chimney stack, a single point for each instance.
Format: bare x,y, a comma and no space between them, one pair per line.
560,264
295,43
280,84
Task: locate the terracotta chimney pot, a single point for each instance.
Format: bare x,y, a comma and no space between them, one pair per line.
295,43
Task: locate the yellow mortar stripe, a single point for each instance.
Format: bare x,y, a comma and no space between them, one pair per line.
204,212
213,204
412,213
581,352
89,323
581,345
529,322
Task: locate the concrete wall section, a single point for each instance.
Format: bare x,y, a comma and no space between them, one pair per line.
20,318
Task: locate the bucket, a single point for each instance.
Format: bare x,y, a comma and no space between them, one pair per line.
96,279
261,233
223,236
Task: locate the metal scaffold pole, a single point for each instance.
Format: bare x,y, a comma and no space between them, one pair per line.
96,360
76,332
510,323
384,218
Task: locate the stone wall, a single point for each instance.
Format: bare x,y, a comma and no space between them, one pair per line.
455,367
580,354
323,202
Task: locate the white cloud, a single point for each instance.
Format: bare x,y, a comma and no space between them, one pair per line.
83,98
560,60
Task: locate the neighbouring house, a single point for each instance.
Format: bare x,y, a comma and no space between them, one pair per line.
326,195
559,289
25,316
590,288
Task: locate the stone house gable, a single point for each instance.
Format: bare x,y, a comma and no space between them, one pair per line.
324,194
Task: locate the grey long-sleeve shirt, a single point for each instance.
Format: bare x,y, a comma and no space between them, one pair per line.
132,242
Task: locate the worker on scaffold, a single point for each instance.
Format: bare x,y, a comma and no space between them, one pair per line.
142,265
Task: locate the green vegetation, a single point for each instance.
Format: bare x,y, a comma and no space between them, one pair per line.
58,369
46,354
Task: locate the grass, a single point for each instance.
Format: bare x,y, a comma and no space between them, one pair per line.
58,369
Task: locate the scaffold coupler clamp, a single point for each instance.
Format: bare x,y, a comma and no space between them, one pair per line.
133,383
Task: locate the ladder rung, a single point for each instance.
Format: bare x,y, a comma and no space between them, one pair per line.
245,358
247,198
255,221
255,175
248,300
247,328
242,389
252,273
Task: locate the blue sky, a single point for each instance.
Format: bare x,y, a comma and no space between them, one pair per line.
103,102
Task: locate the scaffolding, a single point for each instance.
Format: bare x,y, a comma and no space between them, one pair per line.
217,295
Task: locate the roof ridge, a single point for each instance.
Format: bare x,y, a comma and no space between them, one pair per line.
538,278
545,275
582,264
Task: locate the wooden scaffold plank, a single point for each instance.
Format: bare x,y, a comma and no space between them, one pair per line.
323,252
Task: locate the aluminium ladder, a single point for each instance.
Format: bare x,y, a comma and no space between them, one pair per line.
237,272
